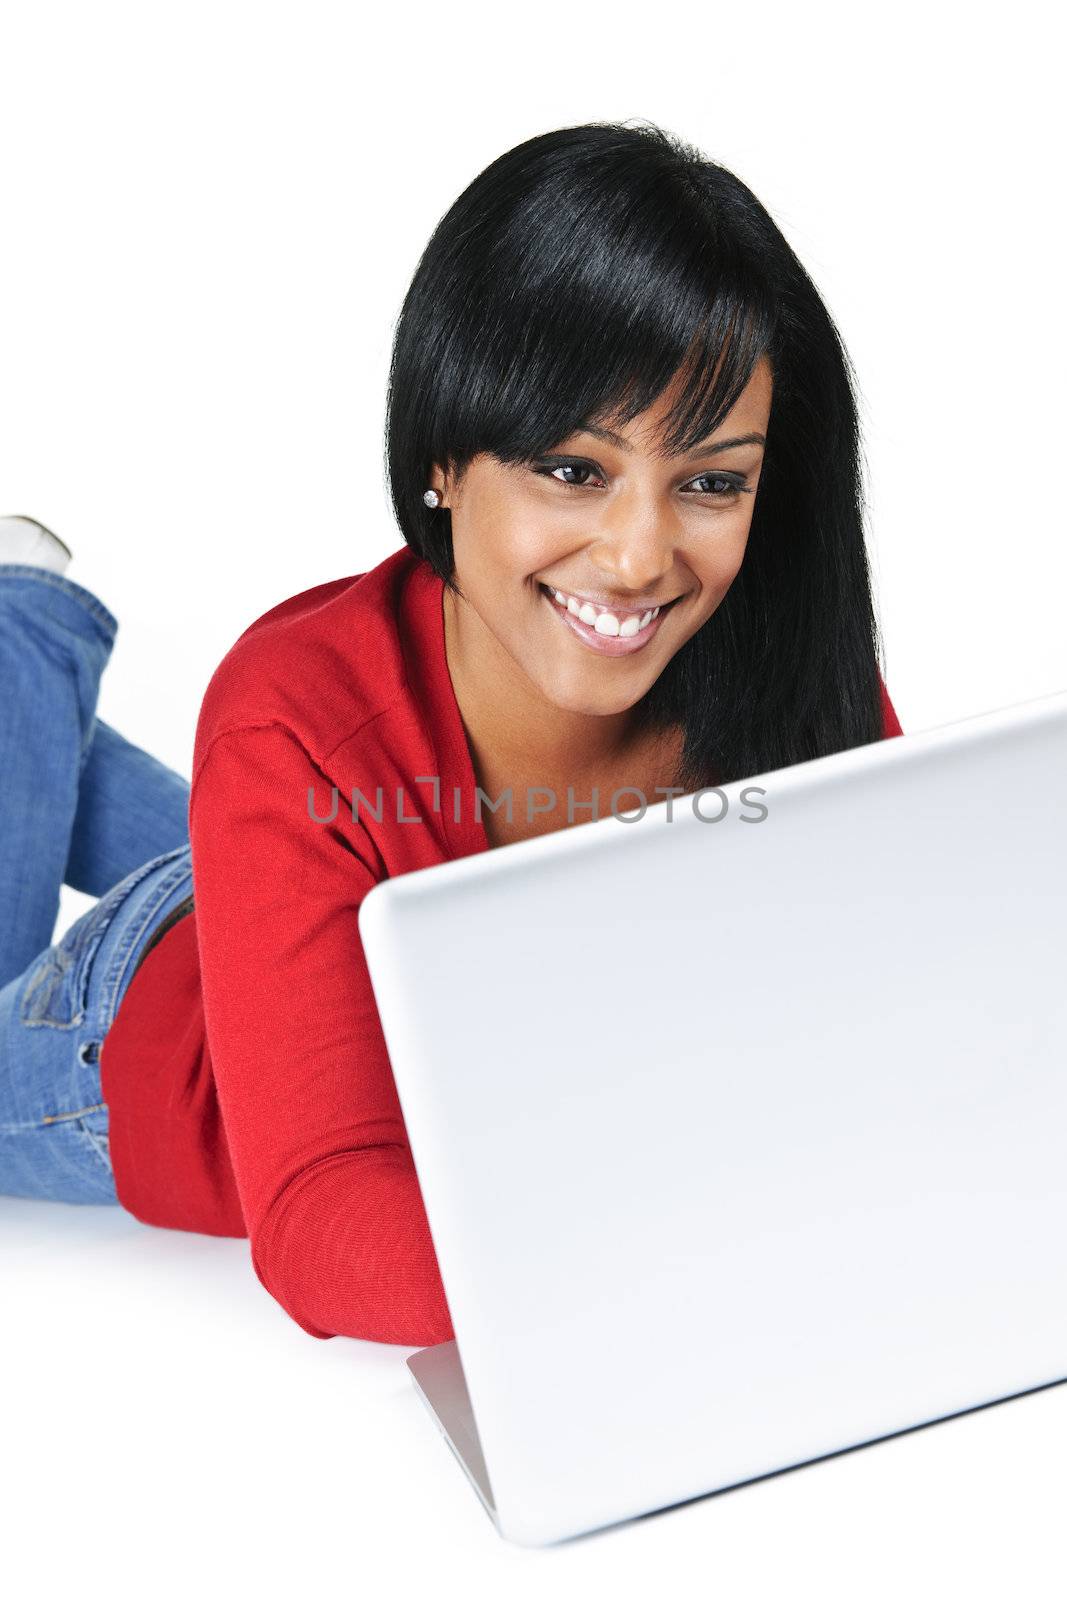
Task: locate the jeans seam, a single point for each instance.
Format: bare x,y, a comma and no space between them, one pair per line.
67,1116
67,586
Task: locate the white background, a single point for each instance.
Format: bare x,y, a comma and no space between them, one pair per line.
210,215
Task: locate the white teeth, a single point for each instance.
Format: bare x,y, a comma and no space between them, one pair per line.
605,622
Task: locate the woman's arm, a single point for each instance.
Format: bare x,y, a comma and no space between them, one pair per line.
335,1216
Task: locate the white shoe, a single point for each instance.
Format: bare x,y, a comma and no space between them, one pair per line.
32,544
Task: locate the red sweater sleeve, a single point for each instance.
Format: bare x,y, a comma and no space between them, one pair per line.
890,721
335,1217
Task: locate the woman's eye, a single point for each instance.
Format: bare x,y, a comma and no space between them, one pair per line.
711,485
551,470
722,485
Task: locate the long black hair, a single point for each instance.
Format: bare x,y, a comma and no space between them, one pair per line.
570,282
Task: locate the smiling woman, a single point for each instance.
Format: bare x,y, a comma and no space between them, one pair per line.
623,452
627,394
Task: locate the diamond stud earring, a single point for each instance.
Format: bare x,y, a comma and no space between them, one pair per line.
431,498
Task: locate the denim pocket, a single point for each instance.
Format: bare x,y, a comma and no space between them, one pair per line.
56,992
94,1129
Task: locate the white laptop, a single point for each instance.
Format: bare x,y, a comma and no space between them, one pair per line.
741,1142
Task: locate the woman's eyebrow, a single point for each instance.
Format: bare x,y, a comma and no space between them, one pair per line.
620,443
726,444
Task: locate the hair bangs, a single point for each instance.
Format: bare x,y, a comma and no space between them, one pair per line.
610,323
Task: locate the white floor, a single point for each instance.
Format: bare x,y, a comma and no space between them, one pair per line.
167,1430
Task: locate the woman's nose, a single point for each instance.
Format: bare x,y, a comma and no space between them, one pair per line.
638,539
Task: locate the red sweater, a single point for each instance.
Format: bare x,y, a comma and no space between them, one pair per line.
246,1072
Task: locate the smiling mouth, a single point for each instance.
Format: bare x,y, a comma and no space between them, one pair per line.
606,632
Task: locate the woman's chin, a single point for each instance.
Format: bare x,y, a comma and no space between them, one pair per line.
582,699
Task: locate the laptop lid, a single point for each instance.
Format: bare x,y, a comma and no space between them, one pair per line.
742,1142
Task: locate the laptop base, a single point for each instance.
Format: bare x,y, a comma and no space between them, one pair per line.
437,1374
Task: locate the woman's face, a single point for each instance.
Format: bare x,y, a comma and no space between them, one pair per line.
603,528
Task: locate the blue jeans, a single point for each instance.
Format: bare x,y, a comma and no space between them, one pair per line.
79,805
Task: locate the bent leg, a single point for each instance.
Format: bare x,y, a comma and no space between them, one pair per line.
55,1126
131,807
55,640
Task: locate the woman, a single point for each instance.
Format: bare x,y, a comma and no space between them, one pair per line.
607,348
